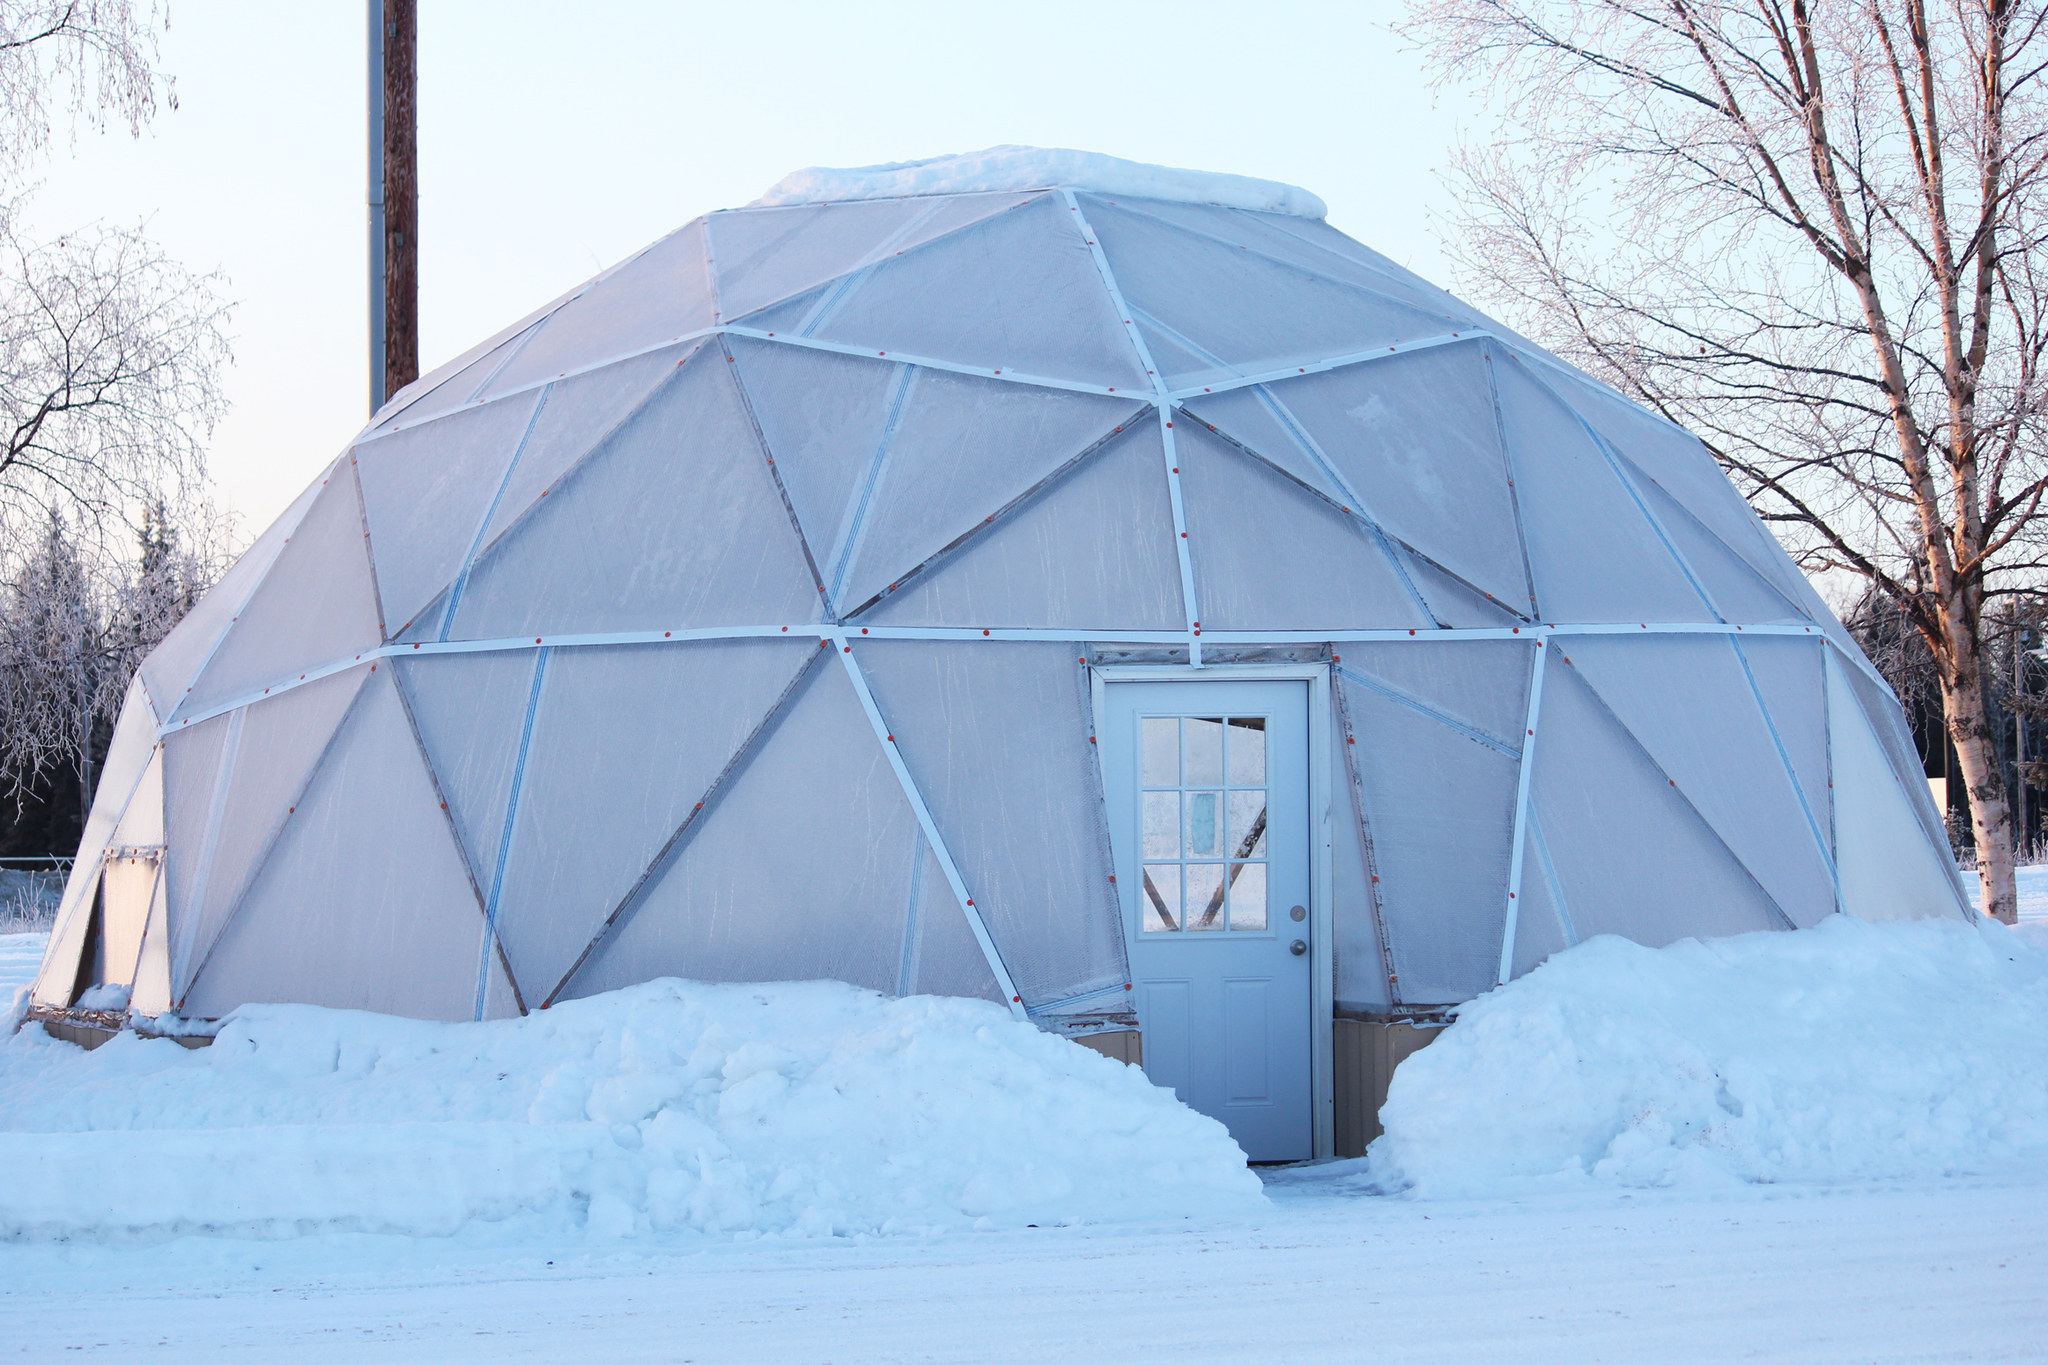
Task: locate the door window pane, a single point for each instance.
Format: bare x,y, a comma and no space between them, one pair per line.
1162,898
1247,824
1162,824
1205,825
1205,896
1247,896
1162,751
1247,751
1204,752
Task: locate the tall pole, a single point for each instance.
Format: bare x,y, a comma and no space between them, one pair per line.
394,200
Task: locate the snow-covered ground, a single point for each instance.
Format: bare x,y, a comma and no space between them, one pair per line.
1616,1228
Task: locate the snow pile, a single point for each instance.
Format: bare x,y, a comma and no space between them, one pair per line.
1852,1050
1037,168
805,1109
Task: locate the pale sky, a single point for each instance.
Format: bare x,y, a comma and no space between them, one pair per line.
555,139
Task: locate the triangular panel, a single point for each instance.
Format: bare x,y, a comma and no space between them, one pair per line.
800,870
941,955
1269,555
316,606
1480,684
1739,592
1688,701
1542,923
1094,550
471,710
658,296
364,902
766,255
1251,417
426,488
1017,292
1788,673
675,521
273,746
1632,856
626,739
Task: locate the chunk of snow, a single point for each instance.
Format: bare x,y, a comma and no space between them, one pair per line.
1851,1050
670,1108
1035,168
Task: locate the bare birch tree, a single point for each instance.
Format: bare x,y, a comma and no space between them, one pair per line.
88,60
1812,232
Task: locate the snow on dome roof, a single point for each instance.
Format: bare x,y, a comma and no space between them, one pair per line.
1033,168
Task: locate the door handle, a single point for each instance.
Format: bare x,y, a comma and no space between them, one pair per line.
1297,947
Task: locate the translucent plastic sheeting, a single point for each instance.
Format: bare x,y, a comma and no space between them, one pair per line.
1788,673
673,521
1888,724
1890,869
1594,555
959,450
626,740
192,764
1632,856
1019,291
1251,417
763,256
168,670
656,297
1251,312
1441,810
1542,926
1268,555
1739,593
1417,438
1687,700
1093,550
151,995
1458,604
1321,240
1480,684
425,491
274,747
799,871
996,737
364,903
940,954
1361,974
316,606
411,403
471,710
131,751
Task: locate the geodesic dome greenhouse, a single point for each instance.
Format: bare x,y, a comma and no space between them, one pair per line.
745,615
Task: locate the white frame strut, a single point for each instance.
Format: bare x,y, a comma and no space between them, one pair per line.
1531,722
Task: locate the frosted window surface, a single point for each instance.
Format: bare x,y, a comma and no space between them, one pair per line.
1198,844
1013,167
590,821
673,521
365,902
1092,550
470,710
170,668
1247,313
1686,700
280,739
314,607
425,491
1632,856
1017,292
831,898
1415,437
1442,845
657,297
1256,538
765,256
1592,551
1033,847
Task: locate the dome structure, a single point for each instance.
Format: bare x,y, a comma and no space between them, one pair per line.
760,609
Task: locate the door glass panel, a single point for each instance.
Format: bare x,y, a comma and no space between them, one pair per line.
1248,896
1162,824
1247,824
1205,825
1162,898
1247,751
1204,752
1162,751
1205,896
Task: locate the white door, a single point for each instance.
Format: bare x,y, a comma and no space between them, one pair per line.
1207,784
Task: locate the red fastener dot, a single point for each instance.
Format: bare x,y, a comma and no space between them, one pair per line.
863,630
665,634
892,739
849,649
444,805
984,632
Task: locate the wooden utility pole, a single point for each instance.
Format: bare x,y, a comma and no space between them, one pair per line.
394,201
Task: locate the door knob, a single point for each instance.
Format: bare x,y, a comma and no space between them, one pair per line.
1297,947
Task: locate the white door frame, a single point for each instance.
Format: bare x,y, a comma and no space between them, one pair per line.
1322,957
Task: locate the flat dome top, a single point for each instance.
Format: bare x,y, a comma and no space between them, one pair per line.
1011,167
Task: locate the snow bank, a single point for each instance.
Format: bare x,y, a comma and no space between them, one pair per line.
1852,1050
1036,168
804,1109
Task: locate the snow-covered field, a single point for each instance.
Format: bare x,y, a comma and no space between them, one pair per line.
1846,1160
